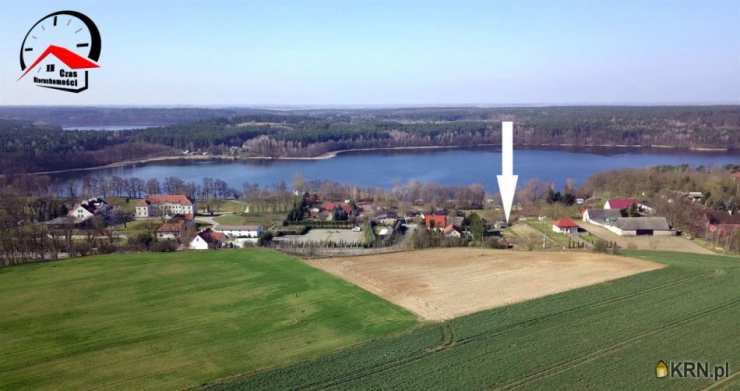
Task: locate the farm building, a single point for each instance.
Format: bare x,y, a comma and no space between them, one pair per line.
240,231
638,226
88,209
602,217
240,235
565,225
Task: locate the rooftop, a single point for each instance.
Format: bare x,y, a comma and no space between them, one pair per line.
642,223
565,222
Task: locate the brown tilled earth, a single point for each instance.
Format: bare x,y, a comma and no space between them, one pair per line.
441,284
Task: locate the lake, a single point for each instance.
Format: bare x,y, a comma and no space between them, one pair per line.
110,128
447,167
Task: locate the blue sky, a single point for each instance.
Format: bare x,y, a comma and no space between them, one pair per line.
394,52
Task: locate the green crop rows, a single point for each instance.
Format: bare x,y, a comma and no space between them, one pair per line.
609,335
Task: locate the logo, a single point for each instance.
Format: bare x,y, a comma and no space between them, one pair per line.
661,369
691,370
59,51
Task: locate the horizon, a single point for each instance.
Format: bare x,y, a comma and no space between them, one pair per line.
288,107
395,55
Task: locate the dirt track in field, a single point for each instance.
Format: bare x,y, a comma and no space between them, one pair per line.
442,284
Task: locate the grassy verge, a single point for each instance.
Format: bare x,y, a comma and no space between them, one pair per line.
545,227
606,336
169,321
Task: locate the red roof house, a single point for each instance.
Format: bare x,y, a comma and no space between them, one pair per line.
435,221
168,199
330,206
565,225
620,203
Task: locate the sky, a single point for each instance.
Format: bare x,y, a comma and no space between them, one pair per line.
394,53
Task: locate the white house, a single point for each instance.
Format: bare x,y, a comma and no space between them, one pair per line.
165,205
207,239
565,225
87,209
451,231
198,243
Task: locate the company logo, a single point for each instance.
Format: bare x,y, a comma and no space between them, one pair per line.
691,370
59,51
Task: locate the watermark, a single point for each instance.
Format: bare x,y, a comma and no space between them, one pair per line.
60,50
690,369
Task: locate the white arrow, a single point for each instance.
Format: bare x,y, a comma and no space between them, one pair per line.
507,179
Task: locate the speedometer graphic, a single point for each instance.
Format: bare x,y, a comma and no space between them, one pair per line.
59,49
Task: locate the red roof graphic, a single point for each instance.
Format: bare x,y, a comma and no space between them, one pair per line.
68,57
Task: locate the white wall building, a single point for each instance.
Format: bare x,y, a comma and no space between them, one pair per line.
165,205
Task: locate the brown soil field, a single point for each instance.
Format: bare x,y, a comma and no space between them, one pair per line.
442,284
664,243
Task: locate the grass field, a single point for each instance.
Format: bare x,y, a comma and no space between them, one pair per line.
605,336
169,321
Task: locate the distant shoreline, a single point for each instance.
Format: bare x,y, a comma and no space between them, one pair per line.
333,154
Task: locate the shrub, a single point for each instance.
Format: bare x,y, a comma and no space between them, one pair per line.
164,246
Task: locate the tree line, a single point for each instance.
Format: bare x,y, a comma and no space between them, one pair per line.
27,146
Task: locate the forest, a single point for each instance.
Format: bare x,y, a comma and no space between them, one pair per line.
28,145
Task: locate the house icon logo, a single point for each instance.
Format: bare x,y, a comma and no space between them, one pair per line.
661,369
60,50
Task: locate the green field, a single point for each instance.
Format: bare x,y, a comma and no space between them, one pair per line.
169,321
606,336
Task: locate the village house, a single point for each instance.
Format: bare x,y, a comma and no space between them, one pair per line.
565,225
171,231
620,203
165,205
175,228
88,209
451,231
435,221
721,225
207,239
